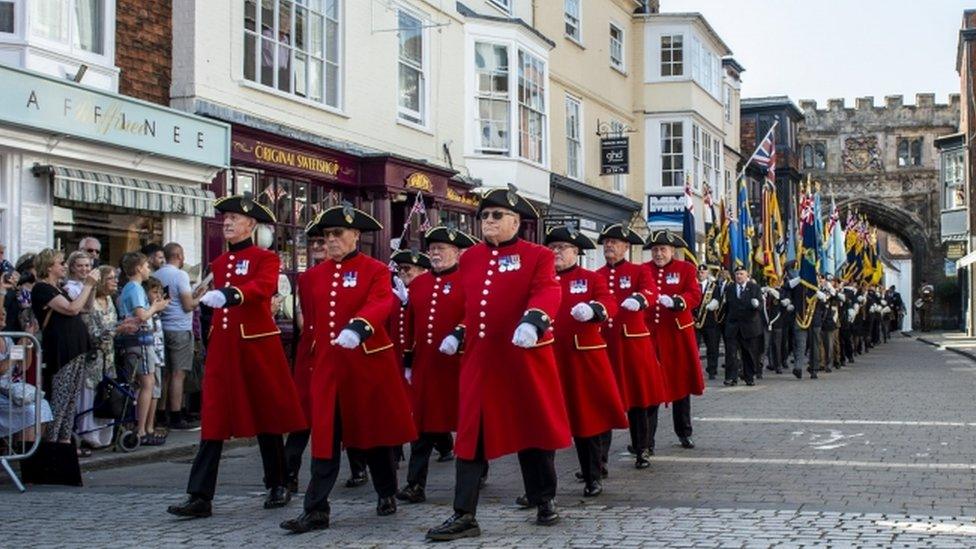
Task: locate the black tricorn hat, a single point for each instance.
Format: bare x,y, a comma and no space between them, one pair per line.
411,257
569,235
509,199
665,237
245,204
449,235
345,217
619,232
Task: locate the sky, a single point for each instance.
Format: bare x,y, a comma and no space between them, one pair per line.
824,49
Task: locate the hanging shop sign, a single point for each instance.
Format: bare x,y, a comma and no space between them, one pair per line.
614,155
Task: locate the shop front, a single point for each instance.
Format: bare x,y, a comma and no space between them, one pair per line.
76,162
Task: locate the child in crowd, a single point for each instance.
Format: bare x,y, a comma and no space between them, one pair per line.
154,290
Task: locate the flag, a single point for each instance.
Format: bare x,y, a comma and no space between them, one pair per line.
765,155
809,245
688,224
773,244
742,230
831,256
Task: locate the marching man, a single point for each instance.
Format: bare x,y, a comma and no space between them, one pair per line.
247,388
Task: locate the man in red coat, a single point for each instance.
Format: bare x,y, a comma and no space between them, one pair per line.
247,389
589,387
641,379
409,265
510,396
358,396
673,328
435,309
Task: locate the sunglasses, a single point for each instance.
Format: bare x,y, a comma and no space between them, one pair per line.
497,215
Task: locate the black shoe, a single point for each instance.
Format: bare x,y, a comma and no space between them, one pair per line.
446,456
179,425
546,514
482,482
457,527
798,373
579,476
593,489
523,502
813,375
828,370
759,374
306,522
604,473
643,460
750,383
779,370
413,493
279,496
358,479
386,506
630,450
711,376
730,382
292,484
686,442
193,507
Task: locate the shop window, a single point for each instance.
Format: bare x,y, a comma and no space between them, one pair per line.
672,55
909,152
294,47
672,154
461,221
953,179
616,47
75,24
412,89
491,71
531,98
574,144
572,17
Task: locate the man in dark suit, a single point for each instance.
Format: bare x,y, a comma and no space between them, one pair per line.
708,321
742,302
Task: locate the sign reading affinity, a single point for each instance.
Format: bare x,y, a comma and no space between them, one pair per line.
58,106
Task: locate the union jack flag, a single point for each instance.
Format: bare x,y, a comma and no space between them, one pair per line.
806,209
765,155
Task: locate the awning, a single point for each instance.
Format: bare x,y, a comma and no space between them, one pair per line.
117,192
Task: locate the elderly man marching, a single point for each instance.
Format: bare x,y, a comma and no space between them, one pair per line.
247,389
510,395
673,328
640,378
589,386
358,397
436,308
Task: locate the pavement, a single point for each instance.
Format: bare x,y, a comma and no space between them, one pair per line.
877,454
957,342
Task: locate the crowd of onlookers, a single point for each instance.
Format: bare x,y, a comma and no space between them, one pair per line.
102,328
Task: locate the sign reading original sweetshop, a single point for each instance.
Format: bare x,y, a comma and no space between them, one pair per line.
300,162
61,107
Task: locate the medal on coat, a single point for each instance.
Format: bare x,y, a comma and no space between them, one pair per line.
673,278
625,282
447,288
577,286
349,279
241,267
509,263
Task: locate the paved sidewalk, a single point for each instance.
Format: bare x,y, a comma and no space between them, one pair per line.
957,342
179,444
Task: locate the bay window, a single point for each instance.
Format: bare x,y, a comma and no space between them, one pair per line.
531,98
493,98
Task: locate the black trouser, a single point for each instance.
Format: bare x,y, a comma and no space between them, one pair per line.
712,336
641,436
740,350
589,451
846,345
538,475
606,439
295,446
443,443
776,349
381,462
815,344
203,473
420,451
357,461
680,417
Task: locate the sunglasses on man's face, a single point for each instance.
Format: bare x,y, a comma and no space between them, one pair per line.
497,215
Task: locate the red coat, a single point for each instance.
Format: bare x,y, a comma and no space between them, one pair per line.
399,328
589,386
436,307
641,379
247,388
673,330
364,383
302,372
508,395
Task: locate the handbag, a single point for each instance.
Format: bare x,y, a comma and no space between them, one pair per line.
109,400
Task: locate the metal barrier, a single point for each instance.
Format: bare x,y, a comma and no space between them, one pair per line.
20,411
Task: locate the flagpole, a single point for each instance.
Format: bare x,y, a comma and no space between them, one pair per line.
746,165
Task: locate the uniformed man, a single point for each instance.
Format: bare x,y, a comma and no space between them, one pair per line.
409,265
847,312
510,395
435,310
708,318
774,315
672,327
742,303
358,395
640,377
589,387
247,389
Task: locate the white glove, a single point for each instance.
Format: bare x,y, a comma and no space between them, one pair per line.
630,304
886,310
408,374
712,305
790,308
785,302
665,300
821,296
582,312
884,301
794,281
773,292
856,308
400,290
754,302
842,297
525,336
449,345
860,299
851,314
764,290
214,299
347,339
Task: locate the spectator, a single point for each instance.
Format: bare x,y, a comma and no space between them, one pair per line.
103,326
93,248
138,348
154,291
16,419
5,265
154,253
177,332
65,342
79,265
17,304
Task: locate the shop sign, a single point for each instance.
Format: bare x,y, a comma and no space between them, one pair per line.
62,107
665,209
614,155
276,156
468,199
553,221
420,181
955,250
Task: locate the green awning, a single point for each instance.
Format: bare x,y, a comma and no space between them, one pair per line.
116,192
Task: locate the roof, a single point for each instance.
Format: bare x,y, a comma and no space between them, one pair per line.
471,14
690,15
769,102
950,141
731,62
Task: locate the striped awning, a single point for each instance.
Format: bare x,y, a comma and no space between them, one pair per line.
127,193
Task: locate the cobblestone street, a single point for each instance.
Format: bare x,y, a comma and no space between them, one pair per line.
874,455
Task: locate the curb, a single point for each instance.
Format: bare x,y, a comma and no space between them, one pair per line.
118,459
962,352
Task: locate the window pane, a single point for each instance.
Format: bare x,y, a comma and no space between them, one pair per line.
410,82
284,22
332,9
267,62
332,84
316,38
249,47
315,79
284,68
250,15
301,69
301,28
48,19
332,41
411,41
6,17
